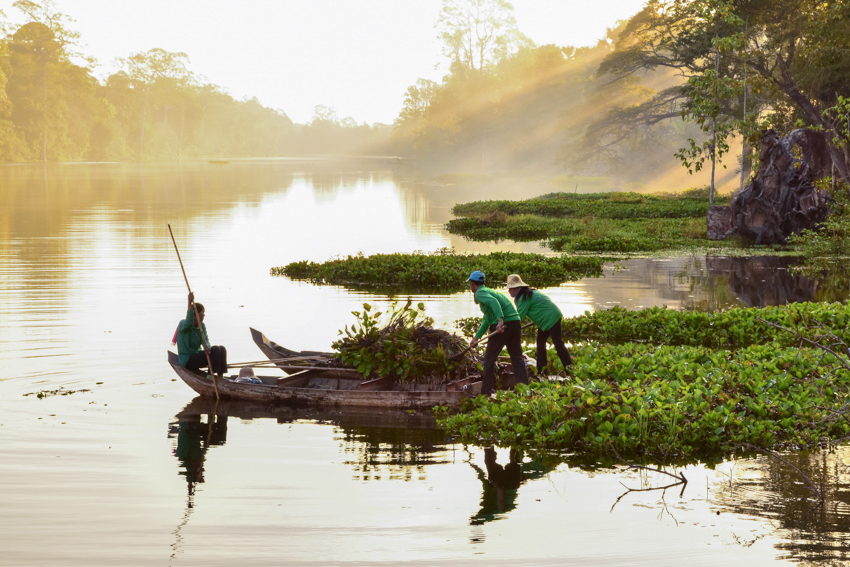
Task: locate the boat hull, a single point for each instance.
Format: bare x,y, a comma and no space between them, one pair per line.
298,396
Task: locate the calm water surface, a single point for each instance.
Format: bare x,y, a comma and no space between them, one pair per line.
132,469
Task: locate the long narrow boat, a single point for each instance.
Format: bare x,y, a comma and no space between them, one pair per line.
316,386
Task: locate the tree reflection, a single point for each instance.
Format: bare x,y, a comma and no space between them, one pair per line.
759,281
808,530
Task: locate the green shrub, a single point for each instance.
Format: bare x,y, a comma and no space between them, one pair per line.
407,346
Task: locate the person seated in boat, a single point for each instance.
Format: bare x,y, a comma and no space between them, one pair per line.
543,313
501,318
192,350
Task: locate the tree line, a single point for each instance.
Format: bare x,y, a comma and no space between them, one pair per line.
678,83
52,107
683,82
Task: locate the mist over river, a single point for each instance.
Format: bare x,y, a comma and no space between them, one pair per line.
128,467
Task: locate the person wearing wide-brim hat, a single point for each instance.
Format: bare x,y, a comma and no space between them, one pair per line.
543,313
499,316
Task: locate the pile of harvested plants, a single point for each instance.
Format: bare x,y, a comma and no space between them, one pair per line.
407,346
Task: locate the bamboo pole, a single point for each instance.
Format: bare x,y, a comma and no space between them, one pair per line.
204,338
276,360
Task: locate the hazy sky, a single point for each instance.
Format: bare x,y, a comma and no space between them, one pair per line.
357,56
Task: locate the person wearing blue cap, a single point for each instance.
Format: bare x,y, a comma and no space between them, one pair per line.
499,316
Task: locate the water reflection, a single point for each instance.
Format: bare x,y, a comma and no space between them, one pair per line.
759,281
808,530
385,445
500,483
91,290
194,438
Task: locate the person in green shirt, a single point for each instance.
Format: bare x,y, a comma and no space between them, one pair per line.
543,313
192,350
499,316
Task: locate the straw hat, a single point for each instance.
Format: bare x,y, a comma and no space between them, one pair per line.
515,281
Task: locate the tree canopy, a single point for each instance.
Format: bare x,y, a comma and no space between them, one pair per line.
52,108
678,83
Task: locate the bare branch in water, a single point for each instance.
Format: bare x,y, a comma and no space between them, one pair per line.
679,477
778,458
680,481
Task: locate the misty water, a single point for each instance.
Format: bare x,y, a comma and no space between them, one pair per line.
131,468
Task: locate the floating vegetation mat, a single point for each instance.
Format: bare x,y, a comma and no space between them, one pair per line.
697,386
668,403
623,223
443,271
609,205
406,345
730,329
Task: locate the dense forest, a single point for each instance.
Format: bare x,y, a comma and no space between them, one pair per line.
683,83
52,108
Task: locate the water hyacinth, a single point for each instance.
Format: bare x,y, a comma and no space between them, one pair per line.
668,403
624,223
601,205
682,386
730,329
444,271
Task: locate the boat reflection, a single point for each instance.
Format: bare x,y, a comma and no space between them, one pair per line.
384,445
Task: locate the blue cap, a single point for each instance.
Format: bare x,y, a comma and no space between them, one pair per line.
477,277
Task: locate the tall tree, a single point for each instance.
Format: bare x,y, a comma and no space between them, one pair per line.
478,33
45,12
795,50
145,69
36,61
41,49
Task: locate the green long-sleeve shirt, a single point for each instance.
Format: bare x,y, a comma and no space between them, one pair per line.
540,309
494,306
189,337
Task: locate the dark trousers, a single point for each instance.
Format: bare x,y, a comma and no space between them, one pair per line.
218,357
512,339
560,347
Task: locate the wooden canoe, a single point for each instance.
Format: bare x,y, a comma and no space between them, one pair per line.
277,352
326,387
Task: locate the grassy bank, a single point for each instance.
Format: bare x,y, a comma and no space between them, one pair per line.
700,386
594,222
444,271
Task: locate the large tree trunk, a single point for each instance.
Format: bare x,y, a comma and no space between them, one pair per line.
782,199
840,158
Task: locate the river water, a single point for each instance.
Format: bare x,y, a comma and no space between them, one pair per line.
118,462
